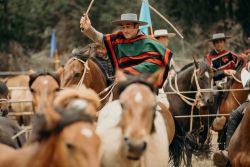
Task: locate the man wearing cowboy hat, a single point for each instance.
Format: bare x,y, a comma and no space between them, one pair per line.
220,157
129,49
163,36
222,61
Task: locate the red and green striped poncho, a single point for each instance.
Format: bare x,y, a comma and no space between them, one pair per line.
141,55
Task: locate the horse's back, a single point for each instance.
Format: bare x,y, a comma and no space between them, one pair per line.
20,94
20,80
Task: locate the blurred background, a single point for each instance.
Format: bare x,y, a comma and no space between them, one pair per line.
26,27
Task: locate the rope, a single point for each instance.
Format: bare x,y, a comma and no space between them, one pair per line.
86,67
236,98
197,116
176,91
26,129
110,92
235,78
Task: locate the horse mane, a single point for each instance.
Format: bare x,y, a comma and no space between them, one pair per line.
68,117
84,53
3,89
185,67
135,79
44,72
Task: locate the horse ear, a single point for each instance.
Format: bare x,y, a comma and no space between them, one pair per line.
120,76
31,72
59,71
157,77
196,63
5,80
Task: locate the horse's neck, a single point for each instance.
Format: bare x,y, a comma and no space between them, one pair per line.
184,81
245,128
94,78
44,152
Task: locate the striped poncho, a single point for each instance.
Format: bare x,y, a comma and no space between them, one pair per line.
141,55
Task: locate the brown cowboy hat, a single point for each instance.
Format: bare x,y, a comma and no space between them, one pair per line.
129,17
218,36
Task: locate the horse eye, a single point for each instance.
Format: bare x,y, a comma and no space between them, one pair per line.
122,105
69,146
77,74
57,89
32,90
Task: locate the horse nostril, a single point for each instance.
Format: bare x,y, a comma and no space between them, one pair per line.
144,146
126,140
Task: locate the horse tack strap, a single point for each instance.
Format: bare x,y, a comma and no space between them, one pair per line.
176,90
109,89
186,99
86,67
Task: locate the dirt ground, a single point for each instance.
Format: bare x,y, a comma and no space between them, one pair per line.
206,162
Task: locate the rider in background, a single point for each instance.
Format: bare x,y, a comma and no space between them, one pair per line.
163,36
102,57
221,157
222,61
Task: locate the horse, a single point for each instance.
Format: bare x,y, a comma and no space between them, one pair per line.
229,101
239,149
17,94
192,77
8,128
43,86
133,125
4,97
60,138
83,69
77,98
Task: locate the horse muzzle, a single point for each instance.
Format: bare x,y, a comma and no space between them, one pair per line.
134,150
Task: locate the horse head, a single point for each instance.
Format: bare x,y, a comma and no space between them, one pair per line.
203,79
83,99
76,66
4,97
138,102
71,138
43,85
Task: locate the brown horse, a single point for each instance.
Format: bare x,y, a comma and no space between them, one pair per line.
4,97
229,102
43,85
136,130
82,69
77,98
239,148
17,94
65,138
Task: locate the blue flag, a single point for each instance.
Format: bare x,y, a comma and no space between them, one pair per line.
145,16
53,44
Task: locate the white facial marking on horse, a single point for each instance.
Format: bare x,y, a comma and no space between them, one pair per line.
206,74
78,104
45,82
87,132
138,97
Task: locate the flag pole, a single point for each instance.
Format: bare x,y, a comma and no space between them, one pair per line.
164,18
151,31
57,60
